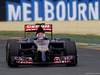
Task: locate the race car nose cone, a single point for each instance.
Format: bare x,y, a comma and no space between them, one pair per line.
43,56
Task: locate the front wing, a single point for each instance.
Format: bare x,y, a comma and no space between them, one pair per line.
29,60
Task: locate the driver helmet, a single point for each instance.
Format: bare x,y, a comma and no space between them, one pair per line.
40,34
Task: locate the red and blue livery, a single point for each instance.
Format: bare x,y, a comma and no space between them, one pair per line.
40,49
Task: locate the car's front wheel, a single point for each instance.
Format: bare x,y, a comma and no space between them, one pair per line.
71,50
12,50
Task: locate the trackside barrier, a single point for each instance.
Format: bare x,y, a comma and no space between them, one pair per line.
50,10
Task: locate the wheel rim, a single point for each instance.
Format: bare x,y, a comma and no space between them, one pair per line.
7,55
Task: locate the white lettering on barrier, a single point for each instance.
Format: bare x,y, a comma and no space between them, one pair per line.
36,12
26,12
49,11
12,14
62,4
14,11
74,11
82,12
94,12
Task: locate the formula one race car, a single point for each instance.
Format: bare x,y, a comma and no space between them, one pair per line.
40,49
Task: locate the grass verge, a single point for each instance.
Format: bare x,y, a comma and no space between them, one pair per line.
21,33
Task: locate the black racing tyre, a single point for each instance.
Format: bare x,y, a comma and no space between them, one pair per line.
7,45
71,50
65,39
9,40
12,49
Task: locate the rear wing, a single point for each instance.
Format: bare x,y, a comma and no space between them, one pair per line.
34,28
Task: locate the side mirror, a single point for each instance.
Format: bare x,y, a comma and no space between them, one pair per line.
25,39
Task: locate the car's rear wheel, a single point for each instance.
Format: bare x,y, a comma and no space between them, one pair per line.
71,50
12,49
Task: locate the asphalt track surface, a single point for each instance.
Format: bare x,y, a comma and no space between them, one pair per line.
88,64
